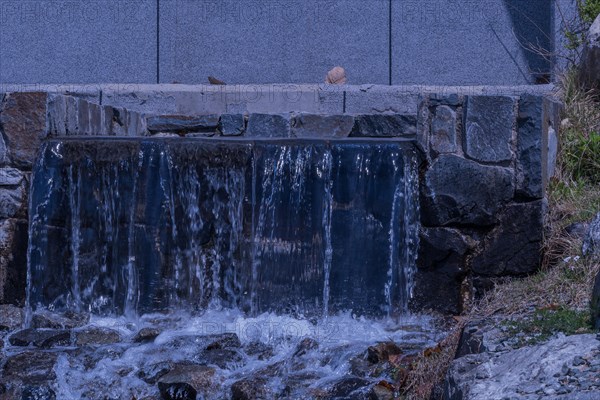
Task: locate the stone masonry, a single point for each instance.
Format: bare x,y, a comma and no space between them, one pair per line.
483,174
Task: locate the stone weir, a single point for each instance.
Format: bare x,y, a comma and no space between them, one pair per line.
142,225
276,170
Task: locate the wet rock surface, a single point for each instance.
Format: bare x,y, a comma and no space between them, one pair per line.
44,338
492,362
159,357
11,317
96,336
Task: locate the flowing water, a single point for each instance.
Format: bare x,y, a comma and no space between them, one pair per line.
298,227
275,241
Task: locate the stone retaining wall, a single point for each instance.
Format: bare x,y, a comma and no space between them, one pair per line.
486,161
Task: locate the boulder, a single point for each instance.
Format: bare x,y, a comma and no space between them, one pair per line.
11,176
345,386
13,259
250,389
382,351
23,122
68,320
443,130
441,270
268,125
223,341
513,248
384,125
182,125
457,191
589,74
12,202
96,336
322,126
146,335
591,241
153,372
11,317
259,349
306,345
184,382
489,128
231,124
31,366
44,338
525,373
530,148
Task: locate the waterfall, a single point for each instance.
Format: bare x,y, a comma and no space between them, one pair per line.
129,226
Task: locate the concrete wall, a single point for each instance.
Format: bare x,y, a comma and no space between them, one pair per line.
440,42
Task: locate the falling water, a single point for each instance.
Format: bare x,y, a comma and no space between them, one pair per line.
301,227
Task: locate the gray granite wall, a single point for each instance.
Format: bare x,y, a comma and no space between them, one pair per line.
438,42
486,161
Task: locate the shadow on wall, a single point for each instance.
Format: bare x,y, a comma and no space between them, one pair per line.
532,22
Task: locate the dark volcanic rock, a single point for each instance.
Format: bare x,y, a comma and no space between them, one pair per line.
184,382
23,121
12,202
146,335
305,346
231,124
514,246
591,242
96,336
530,148
323,126
384,125
250,389
381,392
381,352
589,74
268,125
443,131
11,317
471,341
259,349
44,338
153,372
223,341
31,366
68,320
10,176
183,125
14,236
489,127
441,269
346,386
463,192
222,358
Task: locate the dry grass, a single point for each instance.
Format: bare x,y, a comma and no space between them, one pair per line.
429,369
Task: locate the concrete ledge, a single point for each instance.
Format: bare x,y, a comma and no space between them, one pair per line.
275,98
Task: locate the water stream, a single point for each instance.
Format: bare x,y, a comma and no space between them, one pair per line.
275,242
128,227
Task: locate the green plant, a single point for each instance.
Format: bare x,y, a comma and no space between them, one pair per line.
588,10
576,30
579,158
544,323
